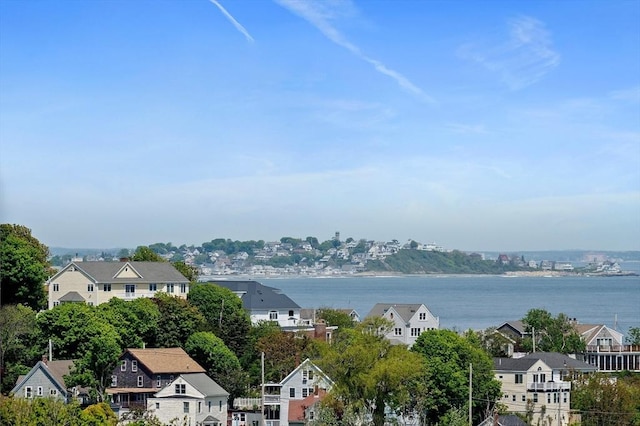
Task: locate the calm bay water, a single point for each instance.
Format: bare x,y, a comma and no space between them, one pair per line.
477,302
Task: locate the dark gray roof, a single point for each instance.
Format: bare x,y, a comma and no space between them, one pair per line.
558,361
72,296
204,384
513,364
150,272
516,326
405,310
256,296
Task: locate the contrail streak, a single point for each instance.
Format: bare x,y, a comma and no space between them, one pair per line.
233,21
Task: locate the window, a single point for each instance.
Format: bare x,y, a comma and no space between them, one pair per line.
220,405
134,365
106,287
524,398
183,287
564,397
90,303
513,398
199,406
548,398
397,331
535,378
170,288
28,392
56,303
535,397
89,287
157,405
310,374
292,392
53,392
130,290
209,402
158,381
422,316
140,381
181,388
114,381
40,391
290,313
185,407
123,365
542,378
415,332
153,287
518,378
273,315
56,287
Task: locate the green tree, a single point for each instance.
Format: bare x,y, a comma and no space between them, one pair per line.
178,320
634,336
221,363
494,343
190,272
604,401
251,355
282,352
41,412
24,267
552,334
17,331
225,315
334,317
136,321
370,374
99,414
145,254
445,384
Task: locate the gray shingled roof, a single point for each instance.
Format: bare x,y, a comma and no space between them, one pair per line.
513,364
150,272
72,296
405,310
256,297
558,361
204,384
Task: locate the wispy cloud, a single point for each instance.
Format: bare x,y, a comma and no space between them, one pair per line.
630,95
523,59
321,15
231,19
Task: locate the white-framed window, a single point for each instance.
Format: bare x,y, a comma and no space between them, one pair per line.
53,392
422,316
56,287
106,287
292,392
181,388
28,392
183,287
518,378
134,365
130,290
170,288
140,381
185,407
123,365
397,331
40,391
153,287
199,406
114,381
415,331
157,405
56,303
220,405
158,381
90,303
306,392
273,315
90,287
535,397
209,403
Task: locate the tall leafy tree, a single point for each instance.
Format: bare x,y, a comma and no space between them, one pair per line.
136,321
17,331
603,401
178,320
551,334
190,272
251,354
445,385
225,315
24,267
145,254
221,363
371,376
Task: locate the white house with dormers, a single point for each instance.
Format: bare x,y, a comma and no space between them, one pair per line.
97,282
264,303
191,399
409,320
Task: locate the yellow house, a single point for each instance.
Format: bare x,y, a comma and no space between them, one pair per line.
97,282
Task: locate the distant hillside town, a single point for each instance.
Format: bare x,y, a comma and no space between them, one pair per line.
309,257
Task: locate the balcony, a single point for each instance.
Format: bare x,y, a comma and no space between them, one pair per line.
549,387
612,348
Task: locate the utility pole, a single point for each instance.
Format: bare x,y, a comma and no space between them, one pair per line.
470,394
533,329
262,391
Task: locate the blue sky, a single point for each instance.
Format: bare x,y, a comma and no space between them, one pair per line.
484,125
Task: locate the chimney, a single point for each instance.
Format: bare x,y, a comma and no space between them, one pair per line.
320,330
495,419
45,360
